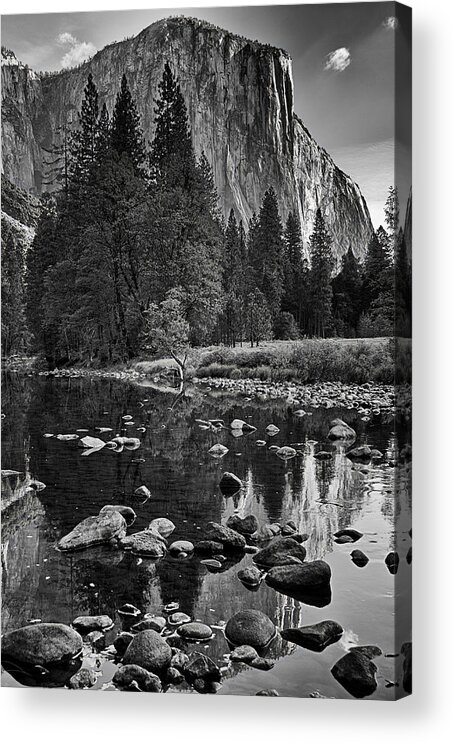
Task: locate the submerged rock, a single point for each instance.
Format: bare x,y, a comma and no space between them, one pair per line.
97,529
127,513
148,650
246,526
272,430
315,637
323,455
281,550
132,677
229,483
250,627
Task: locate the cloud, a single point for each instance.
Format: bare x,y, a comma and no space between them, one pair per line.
78,52
390,23
338,60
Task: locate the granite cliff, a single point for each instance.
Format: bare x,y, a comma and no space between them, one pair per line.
239,95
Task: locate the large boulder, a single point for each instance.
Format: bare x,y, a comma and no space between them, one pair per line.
307,578
145,543
315,637
127,512
356,672
97,529
250,577
41,645
282,550
147,649
250,627
246,526
136,678
230,483
231,540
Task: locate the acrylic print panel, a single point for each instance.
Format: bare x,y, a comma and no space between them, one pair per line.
206,341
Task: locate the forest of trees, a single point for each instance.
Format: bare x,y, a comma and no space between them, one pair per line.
133,249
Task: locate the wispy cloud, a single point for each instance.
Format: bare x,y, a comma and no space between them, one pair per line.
338,60
78,51
390,23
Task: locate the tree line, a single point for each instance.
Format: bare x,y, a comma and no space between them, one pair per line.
133,250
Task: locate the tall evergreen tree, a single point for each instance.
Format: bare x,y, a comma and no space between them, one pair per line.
172,159
266,252
83,141
293,267
392,219
320,278
347,296
126,135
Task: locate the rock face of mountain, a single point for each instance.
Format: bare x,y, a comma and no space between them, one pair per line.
239,96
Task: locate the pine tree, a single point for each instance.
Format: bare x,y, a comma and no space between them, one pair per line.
377,273
126,136
83,141
266,252
172,159
347,296
320,278
293,267
392,219
103,135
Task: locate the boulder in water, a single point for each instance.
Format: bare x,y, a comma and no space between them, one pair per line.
356,672
97,529
250,627
281,550
40,648
229,483
231,540
148,650
145,543
89,441
246,526
85,624
163,526
135,678
315,637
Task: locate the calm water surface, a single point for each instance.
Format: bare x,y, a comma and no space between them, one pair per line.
39,582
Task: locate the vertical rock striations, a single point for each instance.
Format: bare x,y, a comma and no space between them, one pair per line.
239,95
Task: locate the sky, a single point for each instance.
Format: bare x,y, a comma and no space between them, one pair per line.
343,56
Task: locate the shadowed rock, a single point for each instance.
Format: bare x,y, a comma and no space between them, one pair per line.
85,624
348,533
359,558
356,673
145,543
392,561
230,483
315,637
201,667
308,578
230,539
406,650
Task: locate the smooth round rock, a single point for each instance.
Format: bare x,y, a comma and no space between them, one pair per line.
195,631
85,624
42,644
250,627
181,547
127,513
